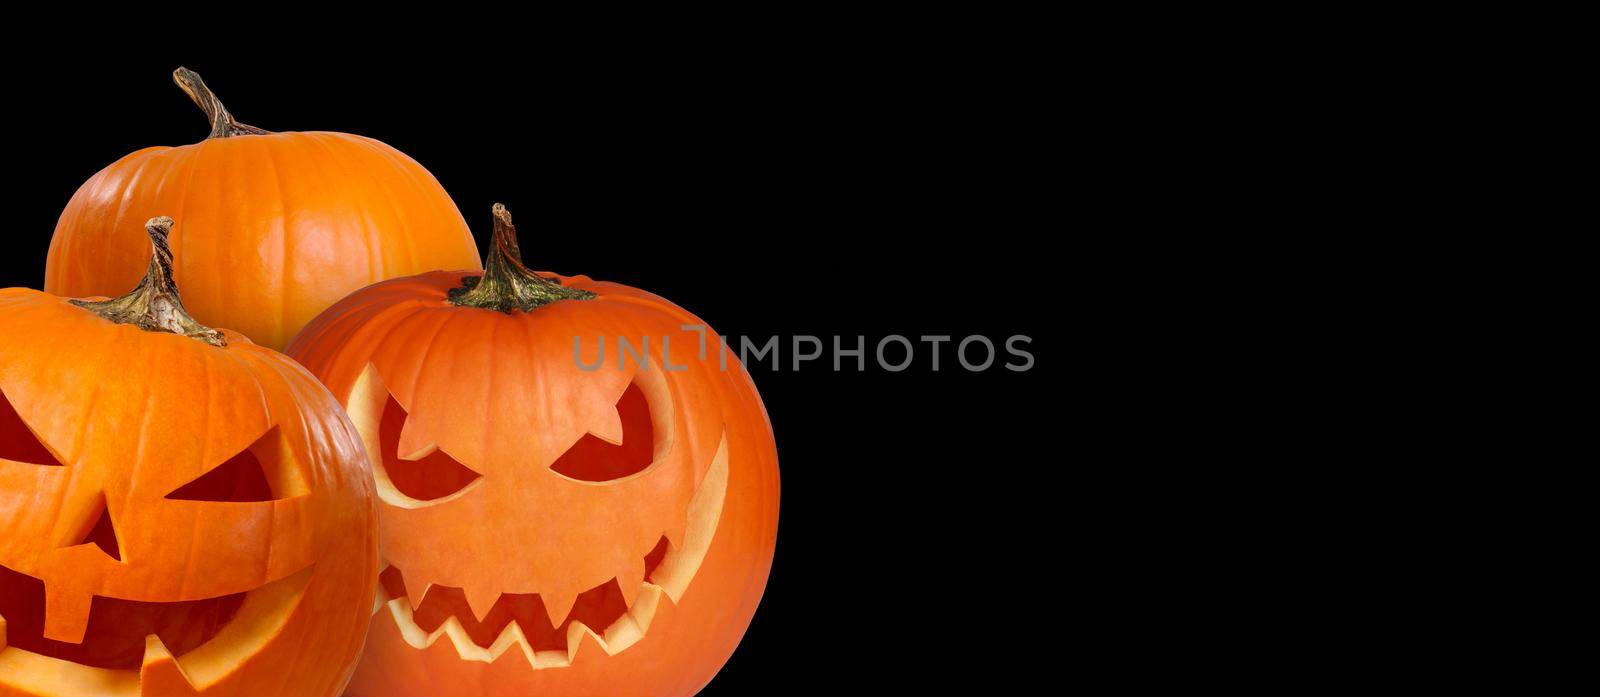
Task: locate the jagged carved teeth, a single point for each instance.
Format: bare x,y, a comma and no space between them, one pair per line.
521,624
623,633
160,669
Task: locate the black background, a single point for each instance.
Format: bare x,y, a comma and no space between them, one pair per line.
873,192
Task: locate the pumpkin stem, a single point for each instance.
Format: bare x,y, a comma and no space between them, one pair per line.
154,305
222,123
506,284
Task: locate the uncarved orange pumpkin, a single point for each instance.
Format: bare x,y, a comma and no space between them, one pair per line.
546,528
182,512
276,226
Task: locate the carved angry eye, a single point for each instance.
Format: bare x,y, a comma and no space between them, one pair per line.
592,459
17,441
429,475
413,472
262,472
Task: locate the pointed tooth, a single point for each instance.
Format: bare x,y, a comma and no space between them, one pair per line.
160,673
416,589
481,600
623,633
578,635
66,614
675,532
558,604
631,580
644,611
465,648
413,444
2,632
413,634
380,599
155,651
511,638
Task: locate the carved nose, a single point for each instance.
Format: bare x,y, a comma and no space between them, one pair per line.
89,523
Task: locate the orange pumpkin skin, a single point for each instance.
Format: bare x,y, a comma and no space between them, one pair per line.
107,421
501,394
276,226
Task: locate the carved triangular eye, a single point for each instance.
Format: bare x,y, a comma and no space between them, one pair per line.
258,473
17,441
426,475
592,459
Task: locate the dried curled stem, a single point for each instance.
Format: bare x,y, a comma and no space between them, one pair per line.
506,284
223,124
154,305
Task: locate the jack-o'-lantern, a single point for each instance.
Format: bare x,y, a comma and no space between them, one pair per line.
182,512
556,518
276,226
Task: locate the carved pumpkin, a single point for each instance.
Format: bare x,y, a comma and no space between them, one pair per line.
182,512
547,529
276,226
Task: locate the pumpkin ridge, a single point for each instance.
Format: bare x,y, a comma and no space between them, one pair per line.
388,195
269,154
122,194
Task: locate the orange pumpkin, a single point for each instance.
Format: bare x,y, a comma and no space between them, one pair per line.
548,529
276,226
182,512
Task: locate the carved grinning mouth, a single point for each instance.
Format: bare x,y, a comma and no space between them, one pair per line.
200,639
522,620
117,628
